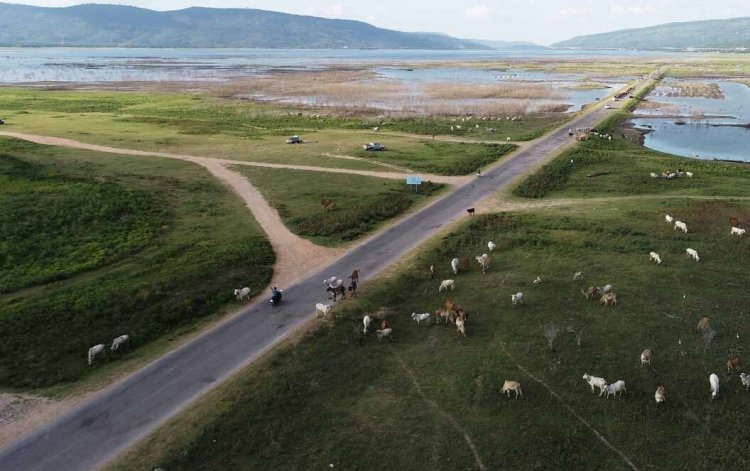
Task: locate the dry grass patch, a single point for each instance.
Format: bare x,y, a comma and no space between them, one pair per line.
695,90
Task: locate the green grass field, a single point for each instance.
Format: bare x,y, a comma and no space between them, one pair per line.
362,203
94,246
338,397
627,167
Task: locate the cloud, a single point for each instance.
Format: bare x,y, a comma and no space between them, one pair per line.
576,11
477,13
337,10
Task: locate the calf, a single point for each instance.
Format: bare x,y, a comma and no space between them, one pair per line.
646,357
421,317
471,211
616,389
745,379
609,299
509,386
713,380
590,292
366,321
692,253
733,221
447,285
517,298
323,309
384,333
734,364
737,231
669,219
680,225
703,324
659,395
654,257
595,381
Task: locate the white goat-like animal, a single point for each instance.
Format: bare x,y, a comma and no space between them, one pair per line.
517,298
537,280
120,341
669,219
653,175
447,285
384,333
577,276
692,254
680,225
491,245
242,294
366,321
713,380
484,261
654,257
329,281
605,290
689,174
95,351
737,231
745,379
509,386
646,357
595,381
616,388
454,266
461,326
421,317
323,309
659,395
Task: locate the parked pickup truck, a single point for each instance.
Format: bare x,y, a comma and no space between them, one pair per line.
294,140
374,146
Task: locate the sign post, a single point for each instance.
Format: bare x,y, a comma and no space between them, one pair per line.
415,181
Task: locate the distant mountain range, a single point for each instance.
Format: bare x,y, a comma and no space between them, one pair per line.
124,26
709,34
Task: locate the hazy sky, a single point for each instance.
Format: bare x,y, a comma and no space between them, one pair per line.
540,21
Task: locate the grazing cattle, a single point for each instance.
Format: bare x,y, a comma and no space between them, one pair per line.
354,276
680,225
447,285
669,219
484,261
737,231
691,253
385,325
516,298
703,324
120,342
444,314
595,381
242,294
654,257
577,276
605,290
432,272
509,386
646,357
491,245
461,326
353,289
537,280
733,221
96,351
471,211
459,264
609,299
384,333
734,364
659,395
323,309
615,389
421,317
366,321
330,281
745,379
689,174
654,175
590,292
713,380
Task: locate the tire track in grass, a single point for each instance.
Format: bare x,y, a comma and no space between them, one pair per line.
449,418
570,409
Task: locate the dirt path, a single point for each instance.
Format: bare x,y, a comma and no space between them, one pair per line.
373,162
295,257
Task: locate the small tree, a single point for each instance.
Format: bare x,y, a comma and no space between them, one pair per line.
550,333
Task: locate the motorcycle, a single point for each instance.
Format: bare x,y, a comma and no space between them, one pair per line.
276,297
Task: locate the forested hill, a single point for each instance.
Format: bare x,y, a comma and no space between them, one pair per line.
124,26
709,34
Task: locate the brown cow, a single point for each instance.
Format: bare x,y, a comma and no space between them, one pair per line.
470,211
590,292
703,324
734,363
354,276
733,221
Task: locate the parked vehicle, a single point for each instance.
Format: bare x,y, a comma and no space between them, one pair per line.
374,146
2,121
295,140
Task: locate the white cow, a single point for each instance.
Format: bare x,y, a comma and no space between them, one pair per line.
329,281
654,257
737,231
321,308
680,225
366,322
120,341
242,294
517,298
745,379
669,219
616,389
454,266
491,245
689,174
447,285
713,380
95,351
384,333
693,254
595,381
484,261
659,395
421,317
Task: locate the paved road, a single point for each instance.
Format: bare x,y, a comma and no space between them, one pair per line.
88,436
